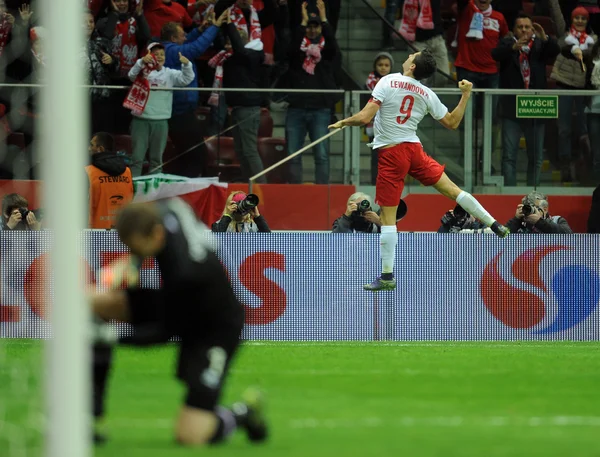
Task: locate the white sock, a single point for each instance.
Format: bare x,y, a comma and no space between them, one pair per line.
474,208
388,242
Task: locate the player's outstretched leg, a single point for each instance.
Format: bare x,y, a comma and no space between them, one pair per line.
446,187
388,242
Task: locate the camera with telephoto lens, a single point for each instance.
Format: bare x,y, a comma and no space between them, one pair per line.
247,204
362,207
528,209
25,212
456,217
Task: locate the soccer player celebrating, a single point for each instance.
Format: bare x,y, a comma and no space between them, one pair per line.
196,303
399,102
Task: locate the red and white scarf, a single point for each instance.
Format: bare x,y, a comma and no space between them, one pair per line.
217,63
524,62
254,32
372,80
139,93
477,19
313,54
416,14
580,40
5,28
125,46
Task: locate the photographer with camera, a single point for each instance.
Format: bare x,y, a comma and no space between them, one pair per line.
359,216
241,215
457,220
532,216
16,215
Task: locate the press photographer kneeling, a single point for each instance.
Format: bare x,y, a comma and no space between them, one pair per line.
241,215
532,216
359,216
458,220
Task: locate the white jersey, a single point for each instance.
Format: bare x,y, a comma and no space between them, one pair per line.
403,103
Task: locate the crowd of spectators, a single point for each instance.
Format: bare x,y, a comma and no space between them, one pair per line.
257,44
171,44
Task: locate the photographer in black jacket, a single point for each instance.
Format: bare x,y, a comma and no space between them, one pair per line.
457,220
359,216
532,216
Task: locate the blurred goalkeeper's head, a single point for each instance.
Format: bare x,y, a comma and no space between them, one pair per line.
140,228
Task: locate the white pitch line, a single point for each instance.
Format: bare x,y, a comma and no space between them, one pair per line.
461,344
400,422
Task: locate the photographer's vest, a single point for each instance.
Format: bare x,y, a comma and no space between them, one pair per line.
108,194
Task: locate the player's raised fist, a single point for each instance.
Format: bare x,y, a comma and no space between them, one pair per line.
465,86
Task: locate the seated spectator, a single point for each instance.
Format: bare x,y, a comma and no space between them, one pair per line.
101,68
314,51
185,129
382,66
523,59
129,34
151,114
243,69
233,220
111,183
533,216
161,12
593,224
359,216
16,215
568,73
593,108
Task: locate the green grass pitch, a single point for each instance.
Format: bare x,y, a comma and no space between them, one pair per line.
357,399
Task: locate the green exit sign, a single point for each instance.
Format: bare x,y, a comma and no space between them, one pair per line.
537,106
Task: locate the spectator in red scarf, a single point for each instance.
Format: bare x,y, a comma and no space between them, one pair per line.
161,12
391,13
243,69
128,33
569,74
151,114
523,59
422,26
314,53
480,29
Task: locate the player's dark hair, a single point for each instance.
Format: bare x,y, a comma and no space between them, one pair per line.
425,65
11,202
105,140
137,219
169,30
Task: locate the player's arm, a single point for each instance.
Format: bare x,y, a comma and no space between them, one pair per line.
362,118
453,119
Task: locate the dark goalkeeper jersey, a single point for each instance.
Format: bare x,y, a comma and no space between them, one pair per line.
195,288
